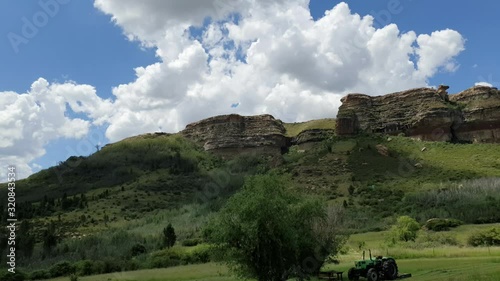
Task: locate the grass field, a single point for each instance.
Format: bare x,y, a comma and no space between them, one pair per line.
449,263
424,269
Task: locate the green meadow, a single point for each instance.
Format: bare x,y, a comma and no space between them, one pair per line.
441,262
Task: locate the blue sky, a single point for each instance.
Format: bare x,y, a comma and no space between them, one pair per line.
80,44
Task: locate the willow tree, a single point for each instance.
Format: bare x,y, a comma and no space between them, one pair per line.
269,232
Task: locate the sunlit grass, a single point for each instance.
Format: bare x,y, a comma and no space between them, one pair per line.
293,129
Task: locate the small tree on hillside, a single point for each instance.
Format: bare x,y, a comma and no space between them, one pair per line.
405,229
169,236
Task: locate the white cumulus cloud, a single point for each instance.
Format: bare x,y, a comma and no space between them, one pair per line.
30,120
263,56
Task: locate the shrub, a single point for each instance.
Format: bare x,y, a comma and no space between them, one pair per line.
106,266
405,229
39,275
137,249
61,269
166,258
198,255
192,242
490,237
85,267
73,277
111,265
438,224
8,276
130,265
97,267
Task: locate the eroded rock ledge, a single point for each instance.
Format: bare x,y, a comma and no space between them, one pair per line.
424,113
235,134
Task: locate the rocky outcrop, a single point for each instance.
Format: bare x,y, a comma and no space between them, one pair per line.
422,113
480,107
235,134
425,113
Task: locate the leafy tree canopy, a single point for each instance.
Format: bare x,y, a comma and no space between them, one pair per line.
268,232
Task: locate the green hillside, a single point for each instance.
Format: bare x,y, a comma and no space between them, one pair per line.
103,205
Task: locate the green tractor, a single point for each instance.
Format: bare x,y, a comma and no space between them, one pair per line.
374,269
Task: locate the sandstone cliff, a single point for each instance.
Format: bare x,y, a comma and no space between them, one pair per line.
424,113
235,134
480,113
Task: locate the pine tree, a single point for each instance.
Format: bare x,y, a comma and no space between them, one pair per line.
169,236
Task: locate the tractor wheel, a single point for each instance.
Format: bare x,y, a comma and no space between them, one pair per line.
352,274
390,269
372,275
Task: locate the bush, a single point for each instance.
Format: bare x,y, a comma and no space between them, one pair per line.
405,229
130,265
192,242
438,224
61,269
111,265
137,249
39,275
97,267
106,266
490,237
73,277
8,276
85,267
198,255
166,258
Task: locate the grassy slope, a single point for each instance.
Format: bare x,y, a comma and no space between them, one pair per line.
293,129
348,162
128,162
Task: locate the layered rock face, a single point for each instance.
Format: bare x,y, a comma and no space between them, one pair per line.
481,114
424,113
235,134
